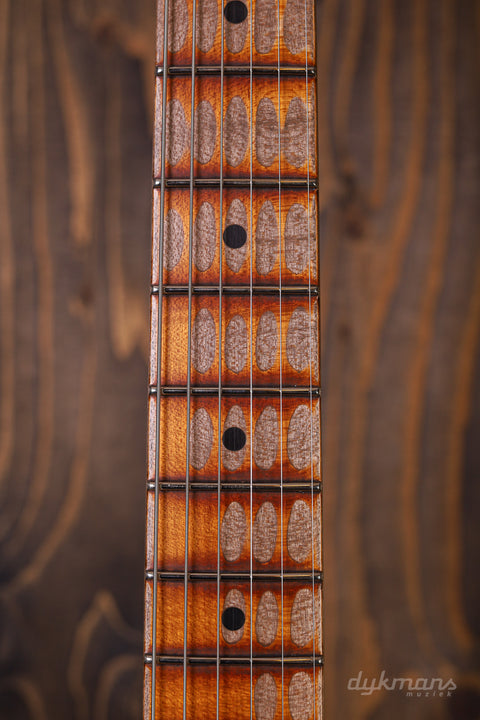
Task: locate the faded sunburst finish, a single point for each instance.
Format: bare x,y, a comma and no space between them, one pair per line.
233,564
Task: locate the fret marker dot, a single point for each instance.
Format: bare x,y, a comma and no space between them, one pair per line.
235,11
234,236
233,618
234,438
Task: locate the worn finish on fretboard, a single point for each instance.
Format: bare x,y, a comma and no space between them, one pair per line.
398,122
288,112
259,129
201,685
291,340
236,265
265,48
202,551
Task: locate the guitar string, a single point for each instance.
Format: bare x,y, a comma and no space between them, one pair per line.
159,356
251,359
189,359
281,338
307,109
220,346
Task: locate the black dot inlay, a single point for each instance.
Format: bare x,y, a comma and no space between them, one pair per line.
233,618
234,438
234,236
235,11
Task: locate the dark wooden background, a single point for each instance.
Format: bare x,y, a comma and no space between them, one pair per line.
399,122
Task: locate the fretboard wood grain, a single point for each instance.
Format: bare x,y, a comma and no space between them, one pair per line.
218,412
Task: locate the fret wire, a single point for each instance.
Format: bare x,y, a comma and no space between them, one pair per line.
251,359
236,391
281,342
292,660
235,290
189,357
238,487
265,183
307,108
159,351
242,70
220,291
296,576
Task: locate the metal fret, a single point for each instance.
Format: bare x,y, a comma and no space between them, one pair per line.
267,487
240,70
240,576
237,290
257,183
204,660
237,391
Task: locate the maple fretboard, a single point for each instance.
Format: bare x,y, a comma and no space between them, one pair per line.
233,581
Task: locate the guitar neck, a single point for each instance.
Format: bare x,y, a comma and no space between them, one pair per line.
233,561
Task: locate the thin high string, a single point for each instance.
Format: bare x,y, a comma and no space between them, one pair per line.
159,358
311,359
251,360
189,359
281,337
219,460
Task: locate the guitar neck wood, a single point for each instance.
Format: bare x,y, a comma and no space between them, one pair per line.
233,564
